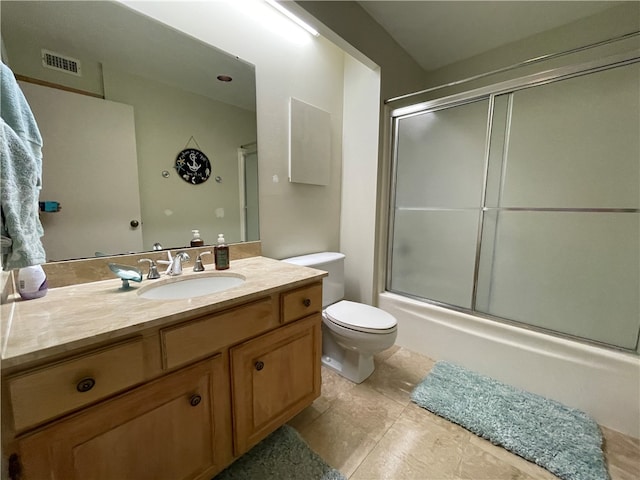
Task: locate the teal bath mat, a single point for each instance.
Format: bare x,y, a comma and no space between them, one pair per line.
283,455
565,441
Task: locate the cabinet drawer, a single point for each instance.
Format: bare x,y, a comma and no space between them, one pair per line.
203,337
301,302
47,392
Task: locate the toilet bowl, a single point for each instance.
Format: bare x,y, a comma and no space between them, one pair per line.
352,332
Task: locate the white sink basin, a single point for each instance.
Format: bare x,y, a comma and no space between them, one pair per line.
189,287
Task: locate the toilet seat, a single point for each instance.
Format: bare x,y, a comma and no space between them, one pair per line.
361,317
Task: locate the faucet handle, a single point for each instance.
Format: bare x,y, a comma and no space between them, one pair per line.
199,267
184,256
153,268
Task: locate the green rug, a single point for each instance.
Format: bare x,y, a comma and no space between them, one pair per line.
283,455
565,441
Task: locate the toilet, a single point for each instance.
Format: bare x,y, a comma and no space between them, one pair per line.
352,333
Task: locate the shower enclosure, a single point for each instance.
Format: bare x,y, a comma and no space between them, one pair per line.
520,202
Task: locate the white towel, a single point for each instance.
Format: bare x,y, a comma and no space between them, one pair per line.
20,174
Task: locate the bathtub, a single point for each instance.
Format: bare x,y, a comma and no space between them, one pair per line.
602,382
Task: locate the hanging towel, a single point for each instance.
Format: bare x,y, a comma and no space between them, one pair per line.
21,175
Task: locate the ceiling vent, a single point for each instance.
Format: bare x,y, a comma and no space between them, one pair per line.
62,63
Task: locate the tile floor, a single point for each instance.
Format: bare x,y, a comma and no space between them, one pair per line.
373,431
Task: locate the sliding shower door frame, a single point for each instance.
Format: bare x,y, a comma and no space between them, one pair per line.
491,92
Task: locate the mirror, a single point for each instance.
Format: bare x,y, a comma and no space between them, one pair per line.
131,95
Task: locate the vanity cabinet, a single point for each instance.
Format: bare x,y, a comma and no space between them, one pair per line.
174,427
180,400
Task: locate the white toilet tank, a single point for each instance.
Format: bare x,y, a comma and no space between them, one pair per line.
332,262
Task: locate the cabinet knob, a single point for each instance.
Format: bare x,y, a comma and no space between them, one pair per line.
307,302
195,400
85,384
259,365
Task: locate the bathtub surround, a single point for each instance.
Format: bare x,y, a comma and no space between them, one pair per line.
283,454
565,441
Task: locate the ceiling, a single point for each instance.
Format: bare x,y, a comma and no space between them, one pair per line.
438,33
121,38
434,33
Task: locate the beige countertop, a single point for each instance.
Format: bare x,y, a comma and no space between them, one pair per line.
79,316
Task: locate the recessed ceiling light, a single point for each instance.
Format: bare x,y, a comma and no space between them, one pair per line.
224,78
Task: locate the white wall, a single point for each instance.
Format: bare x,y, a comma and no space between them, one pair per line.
294,218
359,178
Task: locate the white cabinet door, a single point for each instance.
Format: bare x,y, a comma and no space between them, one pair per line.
90,166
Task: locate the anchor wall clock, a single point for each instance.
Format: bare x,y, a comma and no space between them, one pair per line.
193,166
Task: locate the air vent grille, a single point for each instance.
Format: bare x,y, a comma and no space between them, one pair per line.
61,63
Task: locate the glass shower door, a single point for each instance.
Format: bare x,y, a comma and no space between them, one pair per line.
560,245
524,205
438,199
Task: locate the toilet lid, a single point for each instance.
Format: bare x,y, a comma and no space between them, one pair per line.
359,316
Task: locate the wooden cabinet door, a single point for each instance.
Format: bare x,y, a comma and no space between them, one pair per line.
275,376
173,428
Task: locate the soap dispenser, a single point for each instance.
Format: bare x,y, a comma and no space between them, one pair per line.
196,241
221,253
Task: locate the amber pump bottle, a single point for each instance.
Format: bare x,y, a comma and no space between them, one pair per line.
196,241
221,253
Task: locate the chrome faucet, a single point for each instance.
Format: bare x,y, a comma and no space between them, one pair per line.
175,267
199,267
153,268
